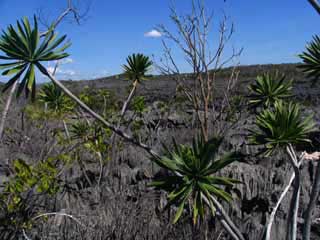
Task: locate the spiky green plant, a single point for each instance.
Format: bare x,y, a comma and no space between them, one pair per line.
281,126
311,59
25,52
269,88
56,100
137,67
80,130
192,176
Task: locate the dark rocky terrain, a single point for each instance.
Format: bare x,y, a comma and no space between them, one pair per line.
124,207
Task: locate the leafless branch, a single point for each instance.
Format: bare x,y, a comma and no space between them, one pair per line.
193,36
71,9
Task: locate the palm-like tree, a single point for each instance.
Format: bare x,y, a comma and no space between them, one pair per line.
57,102
136,69
25,53
280,128
192,177
55,99
269,88
311,59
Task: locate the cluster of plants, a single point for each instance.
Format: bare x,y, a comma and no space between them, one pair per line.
93,122
280,126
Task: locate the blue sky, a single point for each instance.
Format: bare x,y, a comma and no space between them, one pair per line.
270,31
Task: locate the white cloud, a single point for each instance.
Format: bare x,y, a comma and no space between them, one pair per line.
68,72
66,61
153,34
64,72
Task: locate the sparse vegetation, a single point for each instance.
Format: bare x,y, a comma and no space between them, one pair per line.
111,156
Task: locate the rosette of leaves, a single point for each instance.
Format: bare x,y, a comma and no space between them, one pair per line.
137,67
281,126
80,130
55,99
192,176
311,59
269,88
25,51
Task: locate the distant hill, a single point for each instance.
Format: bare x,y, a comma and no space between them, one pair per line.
162,87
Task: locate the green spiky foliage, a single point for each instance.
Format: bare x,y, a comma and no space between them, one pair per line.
24,51
311,59
269,88
55,99
283,125
80,130
193,178
137,67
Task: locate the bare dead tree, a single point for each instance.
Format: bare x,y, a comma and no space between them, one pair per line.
194,38
71,9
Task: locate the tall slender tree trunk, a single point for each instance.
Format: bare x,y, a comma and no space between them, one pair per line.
126,103
123,112
6,108
293,210
312,204
274,211
294,204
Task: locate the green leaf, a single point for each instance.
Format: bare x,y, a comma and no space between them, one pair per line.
179,212
13,79
10,65
31,79
13,70
224,161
